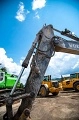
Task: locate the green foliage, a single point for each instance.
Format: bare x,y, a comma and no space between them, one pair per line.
4,69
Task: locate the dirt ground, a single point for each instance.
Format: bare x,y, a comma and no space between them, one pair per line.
65,106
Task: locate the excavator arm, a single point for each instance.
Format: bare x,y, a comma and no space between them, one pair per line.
43,48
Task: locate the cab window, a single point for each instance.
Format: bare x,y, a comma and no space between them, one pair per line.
78,75
73,75
45,78
1,76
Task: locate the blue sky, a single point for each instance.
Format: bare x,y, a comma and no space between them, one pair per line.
21,20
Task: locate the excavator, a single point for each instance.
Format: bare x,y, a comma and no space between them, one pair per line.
43,48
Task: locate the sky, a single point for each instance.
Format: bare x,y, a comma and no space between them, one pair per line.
20,21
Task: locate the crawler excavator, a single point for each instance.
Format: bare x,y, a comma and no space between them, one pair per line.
43,48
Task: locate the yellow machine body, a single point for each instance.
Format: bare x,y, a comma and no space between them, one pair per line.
49,86
71,82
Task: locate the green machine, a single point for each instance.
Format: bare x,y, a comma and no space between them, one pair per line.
7,80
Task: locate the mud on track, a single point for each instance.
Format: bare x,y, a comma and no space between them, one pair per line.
63,107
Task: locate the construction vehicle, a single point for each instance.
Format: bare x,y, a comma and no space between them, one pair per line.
43,48
8,80
70,82
49,86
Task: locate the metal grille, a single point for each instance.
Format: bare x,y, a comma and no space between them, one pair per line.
55,84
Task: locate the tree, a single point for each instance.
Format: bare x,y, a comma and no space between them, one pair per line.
4,69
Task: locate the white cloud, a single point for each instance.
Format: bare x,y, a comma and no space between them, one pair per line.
38,4
61,63
21,13
11,66
37,15
76,65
